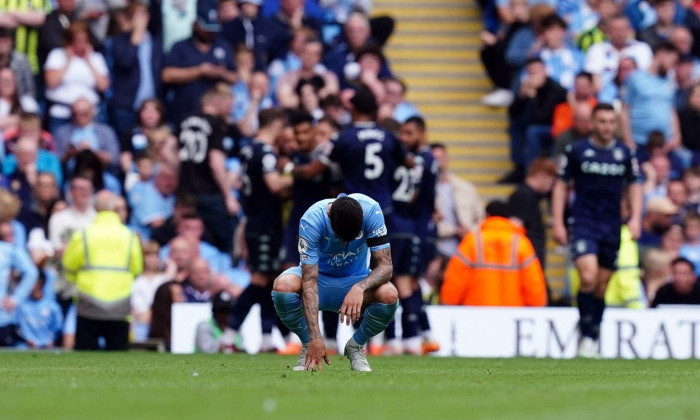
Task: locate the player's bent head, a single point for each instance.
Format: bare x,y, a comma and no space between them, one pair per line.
346,218
497,208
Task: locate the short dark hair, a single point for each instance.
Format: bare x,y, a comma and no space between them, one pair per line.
441,146
656,140
585,75
665,46
185,200
299,118
553,20
268,116
330,121
534,59
683,260
497,208
602,106
418,121
364,101
331,100
370,50
346,218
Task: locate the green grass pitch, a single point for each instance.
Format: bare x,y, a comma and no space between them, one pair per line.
145,386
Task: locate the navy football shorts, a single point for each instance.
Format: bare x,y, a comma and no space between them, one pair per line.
406,252
263,252
602,241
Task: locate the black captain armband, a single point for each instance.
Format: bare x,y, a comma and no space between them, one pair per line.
379,240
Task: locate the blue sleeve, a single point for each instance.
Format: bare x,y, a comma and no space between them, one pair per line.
375,227
629,92
309,240
71,321
23,264
519,46
20,233
54,167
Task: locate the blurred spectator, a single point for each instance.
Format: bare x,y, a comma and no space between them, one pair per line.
683,289
195,65
395,104
35,211
251,30
657,172
77,216
27,161
25,18
657,271
39,318
665,11
84,133
203,168
582,93
689,120
678,195
184,206
150,136
167,294
357,35
88,164
581,128
524,203
29,125
11,103
10,206
531,118
458,205
103,261
208,336
249,99
683,40
227,11
191,228
366,71
56,23
99,15
152,203
648,101
563,63
683,72
606,10
311,70
197,288
672,239
495,266
73,72
308,92
18,62
290,18
144,289
691,179
603,59
138,58
14,261
333,108
691,245
611,90
656,221
493,51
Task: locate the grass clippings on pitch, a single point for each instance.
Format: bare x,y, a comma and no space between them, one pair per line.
144,386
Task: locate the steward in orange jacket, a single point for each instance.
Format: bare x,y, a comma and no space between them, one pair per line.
495,265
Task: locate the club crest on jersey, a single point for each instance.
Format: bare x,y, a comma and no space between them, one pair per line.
589,153
303,246
618,155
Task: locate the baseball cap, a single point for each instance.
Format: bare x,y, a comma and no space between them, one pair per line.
661,205
207,17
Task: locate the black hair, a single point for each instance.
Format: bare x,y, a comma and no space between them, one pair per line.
434,146
418,121
364,101
316,82
586,75
346,218
300,117
532,60
602,106
665,46
88,164
222,302
331,100
370,50
497,208
683,260
553,20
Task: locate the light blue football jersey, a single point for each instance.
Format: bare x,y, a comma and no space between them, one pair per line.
319,245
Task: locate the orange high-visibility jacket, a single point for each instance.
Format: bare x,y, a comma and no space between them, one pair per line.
495,265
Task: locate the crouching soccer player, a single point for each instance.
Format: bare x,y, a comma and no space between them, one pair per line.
599,168
335,236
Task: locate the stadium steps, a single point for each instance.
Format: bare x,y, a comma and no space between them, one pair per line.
435,48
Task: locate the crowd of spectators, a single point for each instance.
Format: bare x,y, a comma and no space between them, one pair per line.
551,62
97,95
92,97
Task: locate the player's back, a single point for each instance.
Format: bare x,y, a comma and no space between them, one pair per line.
427,190
600,175
335,258
367,155
261,206
197,135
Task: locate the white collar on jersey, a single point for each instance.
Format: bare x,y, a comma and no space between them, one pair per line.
601,147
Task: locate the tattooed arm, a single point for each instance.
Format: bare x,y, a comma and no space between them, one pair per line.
380,263
316,352
309,297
